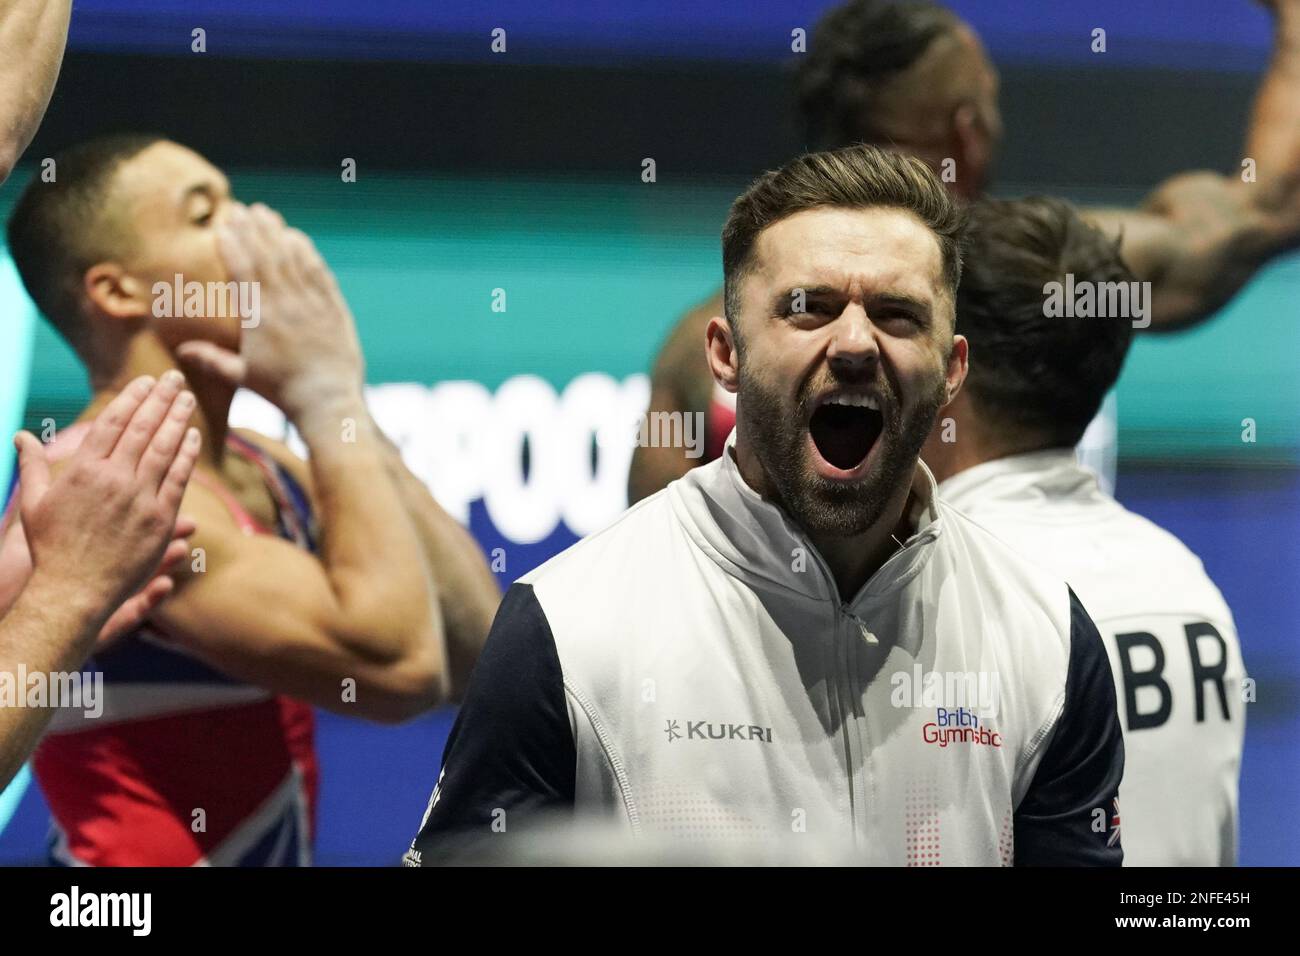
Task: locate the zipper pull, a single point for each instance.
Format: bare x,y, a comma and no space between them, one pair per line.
862,625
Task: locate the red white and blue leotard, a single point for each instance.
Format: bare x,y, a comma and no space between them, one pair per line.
185,766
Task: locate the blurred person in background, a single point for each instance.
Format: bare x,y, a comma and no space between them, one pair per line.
913,76
336,582
1003,455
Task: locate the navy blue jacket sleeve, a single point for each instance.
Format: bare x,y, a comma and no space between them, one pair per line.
510,758
1070,815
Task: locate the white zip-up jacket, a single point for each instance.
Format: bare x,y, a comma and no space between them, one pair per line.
1171,639
692,672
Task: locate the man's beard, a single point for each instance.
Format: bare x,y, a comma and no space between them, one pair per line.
821,505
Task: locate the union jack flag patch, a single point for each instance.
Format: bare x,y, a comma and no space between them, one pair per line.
1113,839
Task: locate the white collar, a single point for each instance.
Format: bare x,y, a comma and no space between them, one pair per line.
756,541
1049,472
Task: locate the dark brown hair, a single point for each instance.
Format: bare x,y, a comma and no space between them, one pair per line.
855,51
855,177
1038,374
59,229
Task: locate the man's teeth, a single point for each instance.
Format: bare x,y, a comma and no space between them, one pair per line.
855,401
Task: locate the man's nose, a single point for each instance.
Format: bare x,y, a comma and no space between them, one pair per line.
853,344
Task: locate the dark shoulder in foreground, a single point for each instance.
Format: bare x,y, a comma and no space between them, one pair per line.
510,760
1070,814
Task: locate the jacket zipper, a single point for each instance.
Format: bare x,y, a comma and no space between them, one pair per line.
845,713
844,610
862,625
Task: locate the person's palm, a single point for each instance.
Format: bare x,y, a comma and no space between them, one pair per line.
304,343
139,606
106,527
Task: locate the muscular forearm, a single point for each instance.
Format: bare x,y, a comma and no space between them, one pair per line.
1273,139
370,552
15,568
467,592
48,629
1199,237
32,36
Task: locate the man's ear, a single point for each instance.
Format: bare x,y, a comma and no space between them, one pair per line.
720,347
957,367
115,292
971,148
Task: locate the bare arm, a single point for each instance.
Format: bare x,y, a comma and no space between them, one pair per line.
46,633
1199,237
467,592
32,36
97,533
361,615
680,382
353,629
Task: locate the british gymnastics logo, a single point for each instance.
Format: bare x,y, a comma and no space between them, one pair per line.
959,726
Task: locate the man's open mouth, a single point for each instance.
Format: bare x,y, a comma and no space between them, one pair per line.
844,428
